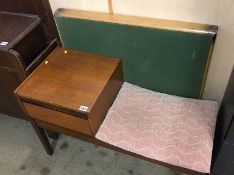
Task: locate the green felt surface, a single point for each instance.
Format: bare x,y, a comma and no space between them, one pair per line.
172,62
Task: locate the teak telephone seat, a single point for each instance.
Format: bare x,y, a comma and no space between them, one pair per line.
188,51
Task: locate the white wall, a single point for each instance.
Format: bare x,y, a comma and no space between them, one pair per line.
223,55
202,11
92,5
184,10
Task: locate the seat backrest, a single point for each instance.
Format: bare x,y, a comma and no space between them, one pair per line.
164,56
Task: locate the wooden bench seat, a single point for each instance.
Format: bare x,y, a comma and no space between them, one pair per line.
171,129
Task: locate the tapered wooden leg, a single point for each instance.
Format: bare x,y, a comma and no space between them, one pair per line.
40,131
43,138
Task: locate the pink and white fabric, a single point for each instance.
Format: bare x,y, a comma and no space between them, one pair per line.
171,129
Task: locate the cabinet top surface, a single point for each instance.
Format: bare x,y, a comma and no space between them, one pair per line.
69,80
13,26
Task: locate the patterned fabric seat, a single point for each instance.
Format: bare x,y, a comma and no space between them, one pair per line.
171,129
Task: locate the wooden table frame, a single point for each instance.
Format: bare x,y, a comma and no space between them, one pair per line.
40,127
39,109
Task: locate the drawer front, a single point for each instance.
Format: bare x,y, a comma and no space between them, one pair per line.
58,118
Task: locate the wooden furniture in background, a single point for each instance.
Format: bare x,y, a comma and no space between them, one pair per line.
23,45
31,32
35,7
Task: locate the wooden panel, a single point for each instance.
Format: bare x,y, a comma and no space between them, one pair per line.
105,100
58,118
95,141
138,21
110,6
16,26
39,58
31,45
9,80
37,7
164,56
77,77
24,34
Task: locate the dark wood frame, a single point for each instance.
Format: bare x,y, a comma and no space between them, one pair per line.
41,10
27,47
36,7
39,125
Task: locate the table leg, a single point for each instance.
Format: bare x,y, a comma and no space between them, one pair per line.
52,134
43,137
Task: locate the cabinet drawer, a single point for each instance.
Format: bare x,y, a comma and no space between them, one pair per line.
58,118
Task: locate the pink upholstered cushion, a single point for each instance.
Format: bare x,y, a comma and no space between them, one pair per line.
171,129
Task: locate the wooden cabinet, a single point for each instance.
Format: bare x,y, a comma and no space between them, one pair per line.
71,90
36,7
9,80
23,45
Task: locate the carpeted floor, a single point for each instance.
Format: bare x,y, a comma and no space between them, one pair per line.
21,153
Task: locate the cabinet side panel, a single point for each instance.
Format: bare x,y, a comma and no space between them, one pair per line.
105,99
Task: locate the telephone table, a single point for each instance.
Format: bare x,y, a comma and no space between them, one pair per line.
70,92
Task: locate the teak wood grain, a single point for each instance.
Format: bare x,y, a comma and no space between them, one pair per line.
58,118
139,21
67,80
26,47
95,141
14,27
105,99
